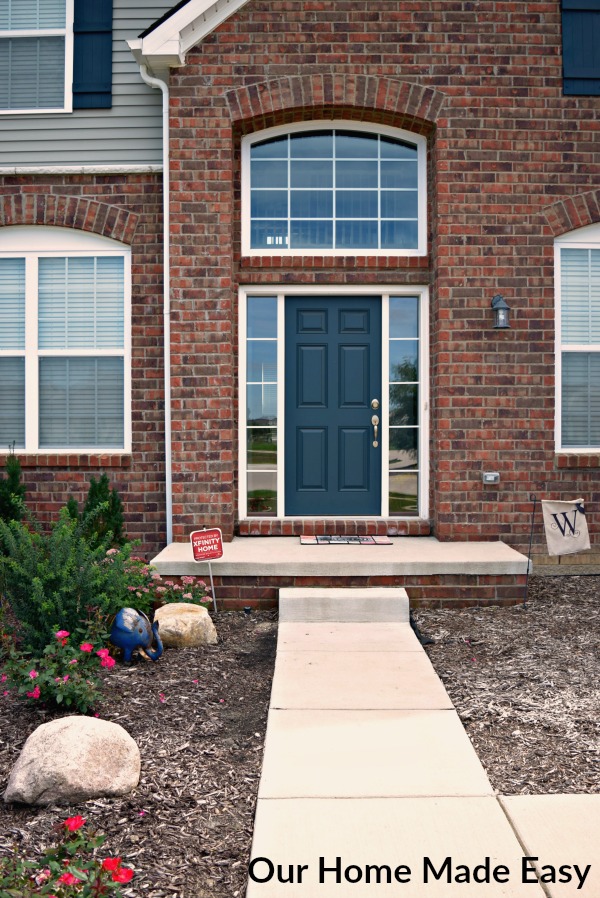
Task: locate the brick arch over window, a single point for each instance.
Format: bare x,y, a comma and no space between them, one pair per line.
74,212
414,104
575,212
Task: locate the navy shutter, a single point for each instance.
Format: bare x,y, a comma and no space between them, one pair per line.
92,54
581,47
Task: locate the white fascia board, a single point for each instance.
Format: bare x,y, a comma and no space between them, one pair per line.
167,45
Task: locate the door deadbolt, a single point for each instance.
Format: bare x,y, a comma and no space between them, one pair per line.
374,403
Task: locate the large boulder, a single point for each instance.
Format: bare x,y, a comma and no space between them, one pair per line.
181,624
72,759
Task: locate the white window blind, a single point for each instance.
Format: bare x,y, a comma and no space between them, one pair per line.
81,402
81,303
12,402
580,295
32,54
12,303
581,399
17,15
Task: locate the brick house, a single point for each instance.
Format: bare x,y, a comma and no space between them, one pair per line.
349,186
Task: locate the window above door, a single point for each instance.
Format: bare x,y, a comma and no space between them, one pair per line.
334,188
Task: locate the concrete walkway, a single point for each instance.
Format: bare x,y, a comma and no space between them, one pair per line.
370,785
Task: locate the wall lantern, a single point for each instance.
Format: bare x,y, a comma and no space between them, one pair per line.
501,310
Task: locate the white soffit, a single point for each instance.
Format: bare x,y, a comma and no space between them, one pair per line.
167,44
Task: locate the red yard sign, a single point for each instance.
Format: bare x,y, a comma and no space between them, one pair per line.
207,544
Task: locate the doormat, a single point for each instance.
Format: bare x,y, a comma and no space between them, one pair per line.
345,541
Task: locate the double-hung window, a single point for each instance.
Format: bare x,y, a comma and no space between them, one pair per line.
64,341
36,55
578,340
55,55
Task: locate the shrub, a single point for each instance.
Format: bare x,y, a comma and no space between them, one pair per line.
70,868
12,491
105,527
65,675
60,580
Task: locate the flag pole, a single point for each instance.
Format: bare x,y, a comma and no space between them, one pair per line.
532,498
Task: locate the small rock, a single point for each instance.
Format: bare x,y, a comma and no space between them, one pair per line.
182,624
72,759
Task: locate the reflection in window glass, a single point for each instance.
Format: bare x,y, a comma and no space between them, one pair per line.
404,490
262,317
261,406
304,183
404,406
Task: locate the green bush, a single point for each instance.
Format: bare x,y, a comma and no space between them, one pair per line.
61,580
12,491
108,525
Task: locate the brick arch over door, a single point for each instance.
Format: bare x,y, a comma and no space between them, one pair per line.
417,106
74,212
573,213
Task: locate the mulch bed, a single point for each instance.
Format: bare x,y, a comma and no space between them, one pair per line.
525,683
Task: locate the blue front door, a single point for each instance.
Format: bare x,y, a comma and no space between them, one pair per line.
332,392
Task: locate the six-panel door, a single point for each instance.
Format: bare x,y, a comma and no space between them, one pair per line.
332,376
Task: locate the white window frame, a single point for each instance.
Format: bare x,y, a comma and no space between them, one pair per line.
417,140
280,292
67,33
62,243
583,238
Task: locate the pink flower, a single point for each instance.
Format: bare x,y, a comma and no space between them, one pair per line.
156,576
103,653
62,634
74,823
108,662
68,879
86,647
195,681
112,551
161,589
35,693
65,678
161,696
111,863
187,581
74,661
187,595
6,692
42,877
3,678
33,674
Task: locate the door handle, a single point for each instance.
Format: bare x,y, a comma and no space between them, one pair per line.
375,423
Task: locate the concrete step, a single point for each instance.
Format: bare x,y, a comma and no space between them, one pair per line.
369,605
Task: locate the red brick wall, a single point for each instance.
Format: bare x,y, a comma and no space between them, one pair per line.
511,161
128,209
512,164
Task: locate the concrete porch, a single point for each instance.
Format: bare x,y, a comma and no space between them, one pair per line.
254,569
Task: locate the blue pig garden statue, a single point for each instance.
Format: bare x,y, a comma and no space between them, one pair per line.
131,631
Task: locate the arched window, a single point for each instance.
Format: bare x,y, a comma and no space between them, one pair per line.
578,339
334,188
64,340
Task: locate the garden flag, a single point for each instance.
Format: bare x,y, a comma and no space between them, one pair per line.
566,527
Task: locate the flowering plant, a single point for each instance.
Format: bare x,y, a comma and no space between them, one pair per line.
191,589
65,675
68,869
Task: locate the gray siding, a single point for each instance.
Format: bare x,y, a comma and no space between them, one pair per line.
128,134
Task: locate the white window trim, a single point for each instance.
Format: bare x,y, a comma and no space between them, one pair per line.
280,292
347,125
67,33
583,238
63,242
